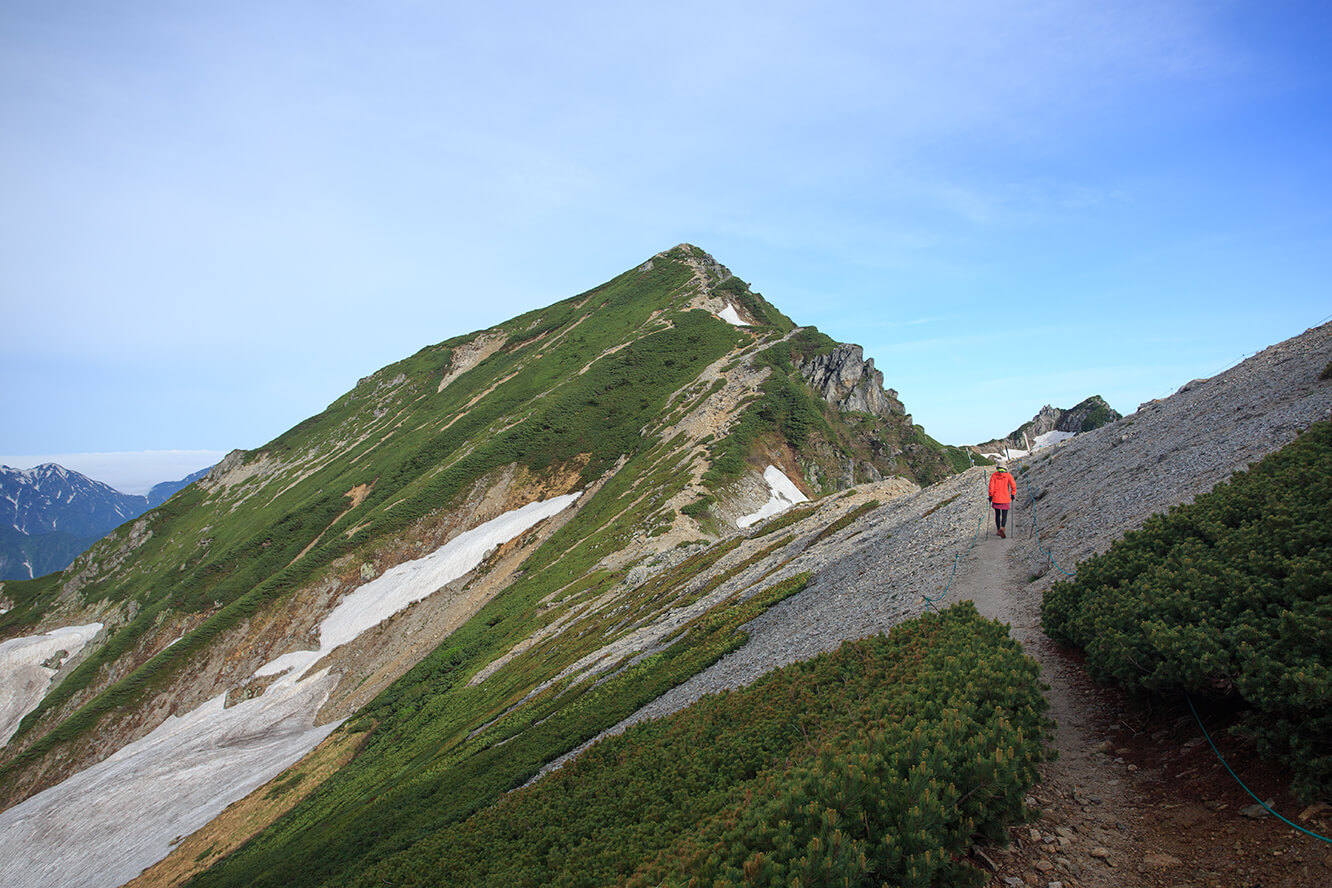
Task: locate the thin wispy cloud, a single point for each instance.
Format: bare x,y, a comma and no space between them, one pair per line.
217,219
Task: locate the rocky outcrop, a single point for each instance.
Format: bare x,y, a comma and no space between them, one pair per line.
849,382
219,473
712,271
1046,420
1089,414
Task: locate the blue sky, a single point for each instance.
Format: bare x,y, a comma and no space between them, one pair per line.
217,217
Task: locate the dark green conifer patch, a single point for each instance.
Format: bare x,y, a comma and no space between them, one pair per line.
1227,598
879,763
426,766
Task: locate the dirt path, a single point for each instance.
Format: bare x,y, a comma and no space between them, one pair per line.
1084,837
1135,798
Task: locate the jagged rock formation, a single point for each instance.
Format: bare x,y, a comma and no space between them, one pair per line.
1045,420
876,436
849,382
1087,416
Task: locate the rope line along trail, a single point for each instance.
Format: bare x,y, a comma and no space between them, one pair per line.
1031,503
930,602
1243,786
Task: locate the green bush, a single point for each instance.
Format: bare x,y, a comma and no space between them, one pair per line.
879,763
785,406
1228,598
699,507
426,767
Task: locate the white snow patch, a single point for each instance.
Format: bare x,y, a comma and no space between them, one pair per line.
784,495
103,826
24,680
411,581
1011,453
1047,440
1051,437
731,316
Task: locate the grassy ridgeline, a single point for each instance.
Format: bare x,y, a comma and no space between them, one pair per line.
1229,597
540,413
880,762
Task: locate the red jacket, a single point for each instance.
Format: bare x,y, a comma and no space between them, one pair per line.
1002,487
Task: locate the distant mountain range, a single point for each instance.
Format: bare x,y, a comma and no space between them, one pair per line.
50,514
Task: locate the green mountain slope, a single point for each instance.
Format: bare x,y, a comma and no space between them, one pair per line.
635,393
899,779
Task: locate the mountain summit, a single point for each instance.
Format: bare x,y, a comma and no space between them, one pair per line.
503,506
586,597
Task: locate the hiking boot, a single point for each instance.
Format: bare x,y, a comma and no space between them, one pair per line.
1002,535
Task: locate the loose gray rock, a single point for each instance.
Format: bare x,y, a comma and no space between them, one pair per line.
1257,812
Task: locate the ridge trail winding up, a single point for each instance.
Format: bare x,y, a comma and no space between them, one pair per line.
989,577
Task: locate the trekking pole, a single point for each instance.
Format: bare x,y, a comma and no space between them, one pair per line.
989,505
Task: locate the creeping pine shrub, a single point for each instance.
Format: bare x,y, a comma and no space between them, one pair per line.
785,406
880,763
1229,597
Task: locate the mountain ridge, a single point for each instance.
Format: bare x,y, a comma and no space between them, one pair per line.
1087,415
909,542
637,395
56,513
514,424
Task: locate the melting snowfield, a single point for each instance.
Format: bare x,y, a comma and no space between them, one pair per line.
784,495
23,678
1049,439
731,316
106,824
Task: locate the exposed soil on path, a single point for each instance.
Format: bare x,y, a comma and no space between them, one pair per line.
1136,796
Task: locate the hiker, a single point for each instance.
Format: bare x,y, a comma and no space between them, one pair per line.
1002,490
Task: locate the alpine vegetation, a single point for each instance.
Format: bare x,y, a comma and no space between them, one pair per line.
475,562
627,590
1226,597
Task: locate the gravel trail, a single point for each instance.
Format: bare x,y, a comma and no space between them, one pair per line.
1102,821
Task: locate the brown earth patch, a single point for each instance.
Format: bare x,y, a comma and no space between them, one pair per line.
1174,820
1137,797
357,496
